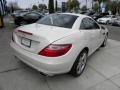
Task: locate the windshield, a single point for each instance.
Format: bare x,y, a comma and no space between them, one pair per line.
60,20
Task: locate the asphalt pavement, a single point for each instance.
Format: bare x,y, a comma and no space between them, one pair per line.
102,71
114,32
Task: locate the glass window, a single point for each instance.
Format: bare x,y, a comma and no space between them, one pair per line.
32,15
82,26
113,17
60,20
88,23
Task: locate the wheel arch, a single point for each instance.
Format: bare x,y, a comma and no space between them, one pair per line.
73,66
86,49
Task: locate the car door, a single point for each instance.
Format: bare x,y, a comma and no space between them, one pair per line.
92,33
99,32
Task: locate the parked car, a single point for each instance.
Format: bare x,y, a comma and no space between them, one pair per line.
27,18
81,12
18,12
89,13
98,15
59,43
115,22
106,19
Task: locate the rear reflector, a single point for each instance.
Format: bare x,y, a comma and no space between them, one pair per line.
28,33
54,50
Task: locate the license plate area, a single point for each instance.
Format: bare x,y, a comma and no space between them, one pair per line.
26,42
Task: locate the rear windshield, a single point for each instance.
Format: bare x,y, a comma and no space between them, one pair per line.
60,20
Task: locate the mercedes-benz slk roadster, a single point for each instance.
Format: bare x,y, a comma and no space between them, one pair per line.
58,43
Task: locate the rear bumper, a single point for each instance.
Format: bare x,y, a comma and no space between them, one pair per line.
46,65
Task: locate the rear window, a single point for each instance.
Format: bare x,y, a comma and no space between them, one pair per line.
59,20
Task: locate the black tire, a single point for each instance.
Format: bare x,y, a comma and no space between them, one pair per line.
105,41
107,22
119,25
77,67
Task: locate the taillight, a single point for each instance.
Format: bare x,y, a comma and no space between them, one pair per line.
54,50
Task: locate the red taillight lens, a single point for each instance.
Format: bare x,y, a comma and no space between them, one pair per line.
54,50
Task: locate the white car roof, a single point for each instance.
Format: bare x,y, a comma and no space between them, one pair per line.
79,15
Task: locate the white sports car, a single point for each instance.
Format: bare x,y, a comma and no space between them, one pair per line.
59,43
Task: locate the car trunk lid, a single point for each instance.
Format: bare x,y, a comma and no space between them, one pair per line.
35,37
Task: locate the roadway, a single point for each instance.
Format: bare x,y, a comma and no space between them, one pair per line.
114,32
102,71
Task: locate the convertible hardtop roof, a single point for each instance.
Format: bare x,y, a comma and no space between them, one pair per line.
79,15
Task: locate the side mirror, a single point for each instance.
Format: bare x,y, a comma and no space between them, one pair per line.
102,27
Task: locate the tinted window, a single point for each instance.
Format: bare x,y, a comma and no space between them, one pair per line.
108,16
32,15
60,20
88,23
113,17
82,26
